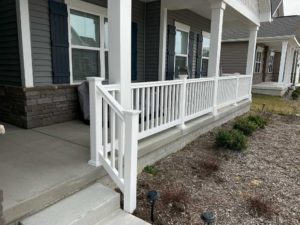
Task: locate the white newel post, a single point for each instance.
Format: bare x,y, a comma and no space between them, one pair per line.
251,55
95,120
282,62
163,41
119,18
182,100
131,158
217,17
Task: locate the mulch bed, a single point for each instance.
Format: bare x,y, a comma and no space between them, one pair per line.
258,186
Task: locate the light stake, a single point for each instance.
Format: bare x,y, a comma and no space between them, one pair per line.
208,218
152,197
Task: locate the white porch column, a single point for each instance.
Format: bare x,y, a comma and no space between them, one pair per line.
217,16
24,42
282,62
119,17
163,40
216,28
289,66
297,69
251,50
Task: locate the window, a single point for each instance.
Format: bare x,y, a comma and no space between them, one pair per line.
181,48
205,53
258,60
271,62
88,33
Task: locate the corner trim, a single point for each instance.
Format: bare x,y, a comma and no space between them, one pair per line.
24,36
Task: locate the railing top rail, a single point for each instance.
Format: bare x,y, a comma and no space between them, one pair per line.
200,80
155,83
112,87
228,77
111,101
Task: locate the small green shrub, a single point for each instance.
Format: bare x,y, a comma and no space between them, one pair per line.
246,126
231,139
259,120
295,94
151,170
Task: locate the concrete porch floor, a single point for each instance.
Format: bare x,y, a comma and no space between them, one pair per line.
270,88
43,164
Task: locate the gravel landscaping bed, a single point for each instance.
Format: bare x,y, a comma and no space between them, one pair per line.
258,186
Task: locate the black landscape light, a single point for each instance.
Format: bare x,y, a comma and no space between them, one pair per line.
208,218
152,197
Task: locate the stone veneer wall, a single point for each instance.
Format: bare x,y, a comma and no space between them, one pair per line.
39,106
1,208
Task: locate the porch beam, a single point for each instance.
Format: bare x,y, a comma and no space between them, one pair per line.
282,61
251,50
22,7
163,40
119,17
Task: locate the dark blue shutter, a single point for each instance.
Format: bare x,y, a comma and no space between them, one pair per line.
199,55
59,42
134,51
171,53
191,53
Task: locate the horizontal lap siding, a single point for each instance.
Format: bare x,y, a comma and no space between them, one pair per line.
138,16
10,73
41,42
196,22
234,57
152,40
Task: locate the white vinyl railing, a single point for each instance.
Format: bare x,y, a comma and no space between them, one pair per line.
114,141
159,103
232,89
157,106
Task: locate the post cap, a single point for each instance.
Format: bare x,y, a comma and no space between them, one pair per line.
182,77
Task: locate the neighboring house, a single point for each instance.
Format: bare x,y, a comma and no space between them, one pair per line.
276,66
49,47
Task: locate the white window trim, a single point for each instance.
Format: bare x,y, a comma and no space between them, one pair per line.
95,10
258,50
185,28
204,35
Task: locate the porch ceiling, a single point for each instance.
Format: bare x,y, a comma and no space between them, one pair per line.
202,8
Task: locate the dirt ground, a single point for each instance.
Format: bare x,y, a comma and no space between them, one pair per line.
258,186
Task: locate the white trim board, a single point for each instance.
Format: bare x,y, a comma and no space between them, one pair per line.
24,36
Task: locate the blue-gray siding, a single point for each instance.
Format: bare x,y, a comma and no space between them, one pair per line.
234,57
152,40
10,73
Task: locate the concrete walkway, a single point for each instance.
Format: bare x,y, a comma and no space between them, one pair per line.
33,162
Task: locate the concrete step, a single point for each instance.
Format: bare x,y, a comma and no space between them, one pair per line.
119,217
86,207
